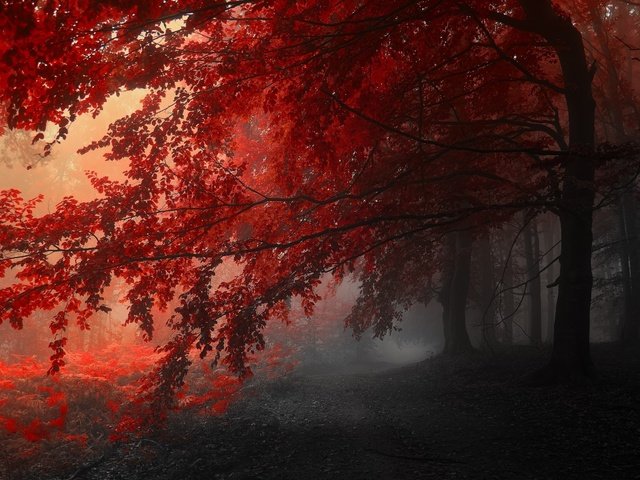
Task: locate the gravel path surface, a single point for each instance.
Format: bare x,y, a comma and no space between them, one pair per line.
468,418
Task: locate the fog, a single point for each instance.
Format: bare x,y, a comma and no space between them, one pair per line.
314,379
506,312
63,173
23,166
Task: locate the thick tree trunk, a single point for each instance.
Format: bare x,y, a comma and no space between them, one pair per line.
454,294
570,358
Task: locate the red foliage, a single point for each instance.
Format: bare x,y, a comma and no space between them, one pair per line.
7,385
320,137
35,431
10,425
38,408
101,391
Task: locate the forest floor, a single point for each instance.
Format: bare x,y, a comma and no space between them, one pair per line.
442,418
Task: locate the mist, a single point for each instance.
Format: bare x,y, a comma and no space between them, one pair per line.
319,240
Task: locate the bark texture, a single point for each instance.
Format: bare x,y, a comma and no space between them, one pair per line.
571,358
532,257
454,293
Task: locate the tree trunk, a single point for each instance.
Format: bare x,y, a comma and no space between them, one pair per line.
629,255
507,301
487,291
532,254
630,261
454,294
445,291
634,261
549,242
571,358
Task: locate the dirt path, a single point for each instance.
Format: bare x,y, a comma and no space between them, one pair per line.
443,419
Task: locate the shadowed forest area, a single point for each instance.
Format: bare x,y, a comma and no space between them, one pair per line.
283,239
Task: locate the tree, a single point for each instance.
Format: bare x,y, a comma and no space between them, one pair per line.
486,290
532,257
295,139
609,28
509,309
550,257
570,355
454,291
